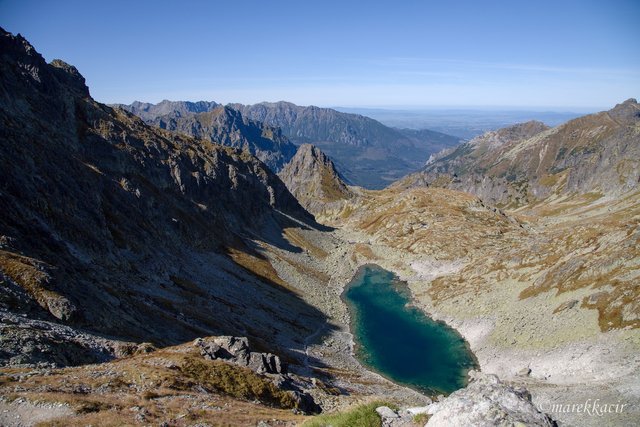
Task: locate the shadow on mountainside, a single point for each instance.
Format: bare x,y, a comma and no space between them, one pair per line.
130,232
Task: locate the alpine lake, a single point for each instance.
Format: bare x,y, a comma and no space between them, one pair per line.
400,341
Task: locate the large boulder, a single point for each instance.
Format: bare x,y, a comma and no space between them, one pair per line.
487,401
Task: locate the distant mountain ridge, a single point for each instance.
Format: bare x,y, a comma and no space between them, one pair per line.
366,152
313,124
514,166
226,126
148,111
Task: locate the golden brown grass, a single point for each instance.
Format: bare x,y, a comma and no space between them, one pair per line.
175,385
260,267
570,245
298,239
28,274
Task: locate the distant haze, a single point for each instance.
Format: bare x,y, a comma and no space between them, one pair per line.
464,123
558,55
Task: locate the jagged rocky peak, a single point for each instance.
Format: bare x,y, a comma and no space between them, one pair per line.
56,80
628,110
313,179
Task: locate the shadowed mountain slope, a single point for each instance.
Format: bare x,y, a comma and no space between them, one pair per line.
128,231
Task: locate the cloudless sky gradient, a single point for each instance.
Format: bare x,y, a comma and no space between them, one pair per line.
561,54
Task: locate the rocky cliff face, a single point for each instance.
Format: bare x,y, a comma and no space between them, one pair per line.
125,230
313,179
225,126
518,165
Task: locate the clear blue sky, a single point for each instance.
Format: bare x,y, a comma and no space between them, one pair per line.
564,54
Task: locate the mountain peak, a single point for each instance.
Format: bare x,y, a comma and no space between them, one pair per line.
521,131
223,125
628,110
313,179
71,76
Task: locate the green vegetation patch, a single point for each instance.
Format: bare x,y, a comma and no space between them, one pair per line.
358,416
236,381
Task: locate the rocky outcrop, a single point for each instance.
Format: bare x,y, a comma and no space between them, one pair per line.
40,343
529,162
487,401
236,350
313,179
225,126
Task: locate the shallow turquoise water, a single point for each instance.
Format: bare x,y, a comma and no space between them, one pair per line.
401,342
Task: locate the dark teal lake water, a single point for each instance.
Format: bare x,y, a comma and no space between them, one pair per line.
401,342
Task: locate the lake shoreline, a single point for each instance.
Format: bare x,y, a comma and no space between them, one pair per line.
419,352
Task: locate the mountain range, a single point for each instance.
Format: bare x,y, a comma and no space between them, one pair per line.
148,276
367,153
529,162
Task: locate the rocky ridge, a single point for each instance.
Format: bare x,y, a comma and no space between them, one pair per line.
367,152
529,162
148,111
225,126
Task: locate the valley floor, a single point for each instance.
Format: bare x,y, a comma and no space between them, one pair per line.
548,342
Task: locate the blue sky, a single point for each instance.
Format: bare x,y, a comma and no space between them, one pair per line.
560,54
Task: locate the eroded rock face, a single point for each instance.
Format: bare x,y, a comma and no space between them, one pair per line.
487,401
